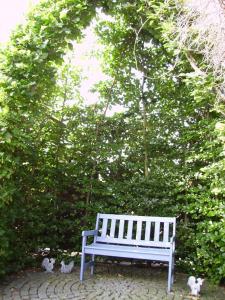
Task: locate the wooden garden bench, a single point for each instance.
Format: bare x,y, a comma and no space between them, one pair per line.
128,236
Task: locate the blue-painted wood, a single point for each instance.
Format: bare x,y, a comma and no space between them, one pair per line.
128,236
89,232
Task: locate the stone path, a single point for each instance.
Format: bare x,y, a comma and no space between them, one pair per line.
110,282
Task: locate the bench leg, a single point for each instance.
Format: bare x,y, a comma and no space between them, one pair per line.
92,265
82,266
172,279
169,276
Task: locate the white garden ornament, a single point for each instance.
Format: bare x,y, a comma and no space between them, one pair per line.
195,285
48,264
67,268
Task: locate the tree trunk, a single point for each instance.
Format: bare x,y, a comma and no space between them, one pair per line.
145,128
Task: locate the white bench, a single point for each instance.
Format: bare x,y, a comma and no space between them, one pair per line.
128,236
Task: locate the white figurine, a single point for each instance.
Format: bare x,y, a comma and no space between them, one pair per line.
66,268
199,284
48,264
195,285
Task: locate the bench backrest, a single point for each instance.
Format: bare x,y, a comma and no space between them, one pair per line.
135,230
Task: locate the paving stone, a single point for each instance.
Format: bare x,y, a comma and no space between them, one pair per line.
124,282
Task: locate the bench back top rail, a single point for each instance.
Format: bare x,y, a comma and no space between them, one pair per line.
135,230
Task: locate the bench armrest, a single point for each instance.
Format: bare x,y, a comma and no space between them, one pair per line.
85,234
89,232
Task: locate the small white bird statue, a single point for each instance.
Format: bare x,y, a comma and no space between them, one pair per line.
48,264
67,268
195,285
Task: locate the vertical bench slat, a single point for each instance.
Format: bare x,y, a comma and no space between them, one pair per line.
121,229
130,229
104,227
147,231
174,228
112,228
156,234
139,228
166,232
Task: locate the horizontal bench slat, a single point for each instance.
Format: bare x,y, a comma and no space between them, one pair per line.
108,239
128,252
137,218
129,248
145,256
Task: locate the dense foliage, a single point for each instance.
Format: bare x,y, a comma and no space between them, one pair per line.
61,163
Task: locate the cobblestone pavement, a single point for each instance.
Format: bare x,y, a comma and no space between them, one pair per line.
111,282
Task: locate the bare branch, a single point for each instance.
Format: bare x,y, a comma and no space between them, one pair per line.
193,63
201,28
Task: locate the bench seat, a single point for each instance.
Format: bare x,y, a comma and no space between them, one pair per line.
146,253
